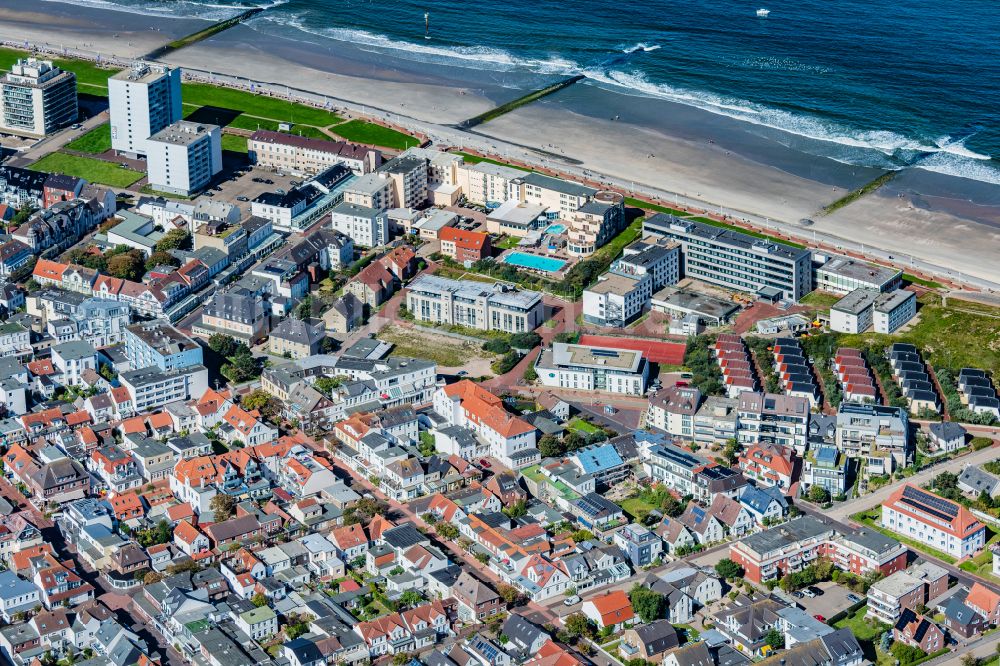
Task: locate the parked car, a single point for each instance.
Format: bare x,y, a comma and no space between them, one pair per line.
242,198
75,126
485,463
853,598
815,590
575,599
797,595
820,618
808,593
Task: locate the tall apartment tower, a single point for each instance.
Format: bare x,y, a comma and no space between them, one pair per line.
143,100
37,98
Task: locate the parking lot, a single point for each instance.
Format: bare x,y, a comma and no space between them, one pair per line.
244,186
832,601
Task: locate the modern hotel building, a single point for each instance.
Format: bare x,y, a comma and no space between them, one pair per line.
736,260
495,307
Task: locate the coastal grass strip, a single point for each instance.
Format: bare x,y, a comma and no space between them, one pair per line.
860,192
213,29
96,141
253,104
87,73
476,159
95,171
532,96
921,282
645,205
360,131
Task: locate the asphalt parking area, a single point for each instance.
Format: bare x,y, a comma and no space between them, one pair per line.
832,601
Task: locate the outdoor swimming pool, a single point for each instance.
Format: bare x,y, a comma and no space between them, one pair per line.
547,264
555,229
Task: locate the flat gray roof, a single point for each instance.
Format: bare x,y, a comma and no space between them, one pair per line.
856,302
856,269
889,302
661,222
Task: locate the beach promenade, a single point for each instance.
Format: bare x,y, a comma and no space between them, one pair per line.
635,160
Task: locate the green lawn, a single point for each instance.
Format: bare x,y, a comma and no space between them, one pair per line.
234,142
582,426
947,336
250,103
97,140
820,299
476,159
636,507
629,235
90,78
913,279
246,122
863,628
94,171
636,203
507,242
360,131
871,519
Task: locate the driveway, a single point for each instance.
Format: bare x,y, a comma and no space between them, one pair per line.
832,601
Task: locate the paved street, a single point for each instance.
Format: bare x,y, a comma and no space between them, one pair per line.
844,510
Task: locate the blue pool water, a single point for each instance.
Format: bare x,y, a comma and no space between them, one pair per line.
556,229
547,264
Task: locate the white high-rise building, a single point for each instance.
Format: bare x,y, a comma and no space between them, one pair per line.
182,157
143,100
37,98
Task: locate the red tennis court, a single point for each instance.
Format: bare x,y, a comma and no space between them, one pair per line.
669,353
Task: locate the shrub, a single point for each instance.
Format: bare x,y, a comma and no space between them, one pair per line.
979,443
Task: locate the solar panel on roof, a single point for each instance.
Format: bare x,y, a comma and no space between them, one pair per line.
610,353
922,499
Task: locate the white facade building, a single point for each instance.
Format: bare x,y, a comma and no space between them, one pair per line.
368,227
894,310
183,157
37,98
586,368
143,100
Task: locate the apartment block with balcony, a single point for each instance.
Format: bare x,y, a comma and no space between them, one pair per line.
37,98
499,307
736,260
769,418
939,523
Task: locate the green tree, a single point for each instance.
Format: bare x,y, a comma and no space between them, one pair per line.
517,509
446,530
577,624
819,494
175,239
775,639
242,365
222,344
526,340
510,594
550,446
259,600
127,266
647,604
582,535
223,507
262,401
161,259
410,598
328,384
731,452
728,569
304,309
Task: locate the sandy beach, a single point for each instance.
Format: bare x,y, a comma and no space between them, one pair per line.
100,32
654,146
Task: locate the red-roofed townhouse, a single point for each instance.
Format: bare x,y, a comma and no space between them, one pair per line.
769,465
462,245
190,539
611,609
984,601
511,439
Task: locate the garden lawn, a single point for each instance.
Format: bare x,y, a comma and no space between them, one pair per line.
582,426
234,142
860,626
360,131
96,141
636,507
871,520
94,171
507,243
820,299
